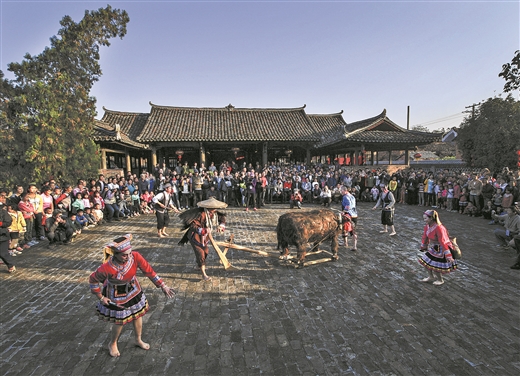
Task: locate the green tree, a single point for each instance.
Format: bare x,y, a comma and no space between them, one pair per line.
47,113
490,136
511,73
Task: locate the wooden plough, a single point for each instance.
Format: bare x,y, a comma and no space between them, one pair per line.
230,244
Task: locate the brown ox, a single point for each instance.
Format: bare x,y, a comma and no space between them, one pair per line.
300,228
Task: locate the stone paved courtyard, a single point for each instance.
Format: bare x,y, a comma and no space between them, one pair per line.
366,314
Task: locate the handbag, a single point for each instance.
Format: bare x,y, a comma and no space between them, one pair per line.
456,253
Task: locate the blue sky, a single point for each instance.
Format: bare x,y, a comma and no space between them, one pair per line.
357,56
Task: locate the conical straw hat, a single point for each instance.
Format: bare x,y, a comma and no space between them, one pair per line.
212,203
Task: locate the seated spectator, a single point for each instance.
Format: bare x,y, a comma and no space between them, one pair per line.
511,227
81,220
58,229
90,217
487,209
366,196
470,210
336,194
98,214
316,192
507,198
76,227
277,191
325,196
78,203
296,199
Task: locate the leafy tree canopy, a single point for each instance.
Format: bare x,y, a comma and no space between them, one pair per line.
511,73
490,137
46,112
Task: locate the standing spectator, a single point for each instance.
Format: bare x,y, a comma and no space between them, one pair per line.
17,228
511,227
36,199
5,222
386,203
27,209
475,191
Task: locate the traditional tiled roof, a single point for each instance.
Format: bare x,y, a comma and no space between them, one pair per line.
131,123
181,124
380,130
104,132
330,127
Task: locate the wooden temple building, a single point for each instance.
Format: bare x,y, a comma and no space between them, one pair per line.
139,141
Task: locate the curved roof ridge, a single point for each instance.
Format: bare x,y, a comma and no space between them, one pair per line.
228,107
124,112
334,114
382,115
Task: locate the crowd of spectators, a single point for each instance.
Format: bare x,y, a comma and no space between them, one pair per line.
57,211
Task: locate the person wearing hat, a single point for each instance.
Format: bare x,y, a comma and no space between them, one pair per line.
199,224
386,203
163,202
436,245
121,299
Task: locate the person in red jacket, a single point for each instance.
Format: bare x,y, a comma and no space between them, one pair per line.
121,299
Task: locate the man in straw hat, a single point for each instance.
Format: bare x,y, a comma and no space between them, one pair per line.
200,223
121,299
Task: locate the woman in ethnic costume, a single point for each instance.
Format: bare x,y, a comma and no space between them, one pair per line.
199,223
121,299
436,243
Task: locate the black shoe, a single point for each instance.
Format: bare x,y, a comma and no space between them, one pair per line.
67,242
516,266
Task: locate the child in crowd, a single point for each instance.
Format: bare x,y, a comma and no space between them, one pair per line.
97,213
444,197
76,228
470,209
97,199
17,229
136,202
90,217
463,200
86,201
497,199
81,220
437,194
47,213
449,198
78,203
487,209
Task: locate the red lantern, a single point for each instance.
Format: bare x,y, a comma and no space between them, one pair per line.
417,155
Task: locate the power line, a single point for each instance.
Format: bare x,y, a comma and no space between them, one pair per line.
441,120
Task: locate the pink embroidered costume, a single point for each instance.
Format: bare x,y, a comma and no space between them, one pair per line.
120,285
435,238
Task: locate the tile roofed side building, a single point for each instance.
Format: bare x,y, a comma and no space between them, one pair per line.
104,132
330,127
132,123
381,130
227,124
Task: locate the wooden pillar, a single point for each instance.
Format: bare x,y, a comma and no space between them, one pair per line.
377,157
128,163
407,157
390,157
103,159
264,153
154,156
354,158
308,157
202,154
